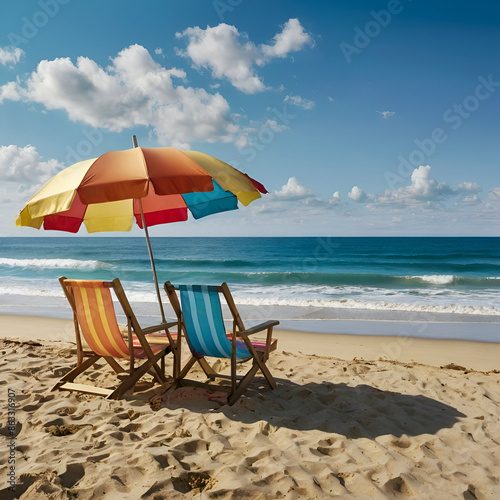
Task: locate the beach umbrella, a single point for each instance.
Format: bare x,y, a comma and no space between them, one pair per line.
147,185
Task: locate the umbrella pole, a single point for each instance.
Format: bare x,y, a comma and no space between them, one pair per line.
152,262
155,278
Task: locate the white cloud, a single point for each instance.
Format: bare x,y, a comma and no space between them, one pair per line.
9,91
159,52
357,194
299,101
471,187
495,193
422,188
469,192
293,190
219,49
386,114
229,54
422,210
298,204
274,126
330,99
335,198
471,200
10,55
25,165
422,192
291,39
133,91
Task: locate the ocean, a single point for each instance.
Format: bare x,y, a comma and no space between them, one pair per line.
322,278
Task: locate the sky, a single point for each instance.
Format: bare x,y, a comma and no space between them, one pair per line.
361,118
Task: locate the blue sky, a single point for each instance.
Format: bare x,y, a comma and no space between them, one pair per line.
364,118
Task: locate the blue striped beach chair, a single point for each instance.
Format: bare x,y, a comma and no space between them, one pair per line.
199,316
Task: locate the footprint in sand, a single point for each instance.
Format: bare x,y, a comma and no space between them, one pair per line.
73,474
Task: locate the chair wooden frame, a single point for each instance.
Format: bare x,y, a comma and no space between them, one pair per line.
258,356
87,358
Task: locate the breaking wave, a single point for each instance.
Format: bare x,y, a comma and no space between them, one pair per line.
54,264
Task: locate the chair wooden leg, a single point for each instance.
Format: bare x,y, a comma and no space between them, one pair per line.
70,376
245,381
267,374
233,374
114,364
153,373
132,379
187,367
209,371
128,383
175,385
177,362
160,378
178,359
242,386
176,352
160,374
265,371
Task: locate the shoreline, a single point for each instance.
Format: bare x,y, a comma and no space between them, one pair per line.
402,348
50,298
325,320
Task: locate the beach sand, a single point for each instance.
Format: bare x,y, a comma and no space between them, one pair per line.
352,416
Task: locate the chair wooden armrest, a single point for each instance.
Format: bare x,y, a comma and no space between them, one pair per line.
156,328
149,333
259,328
270,345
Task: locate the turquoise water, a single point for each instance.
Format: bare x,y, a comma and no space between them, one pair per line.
452,275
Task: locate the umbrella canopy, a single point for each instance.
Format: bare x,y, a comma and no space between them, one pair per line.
149,185
105,193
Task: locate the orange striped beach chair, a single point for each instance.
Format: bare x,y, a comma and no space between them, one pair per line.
95,318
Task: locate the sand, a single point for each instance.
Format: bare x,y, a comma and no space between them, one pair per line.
407,418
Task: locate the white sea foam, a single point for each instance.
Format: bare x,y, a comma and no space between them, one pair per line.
26,291
442,300
54,263
437,279
370,305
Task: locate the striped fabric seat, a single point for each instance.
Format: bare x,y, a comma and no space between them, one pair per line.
155,347
98,324
204,323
